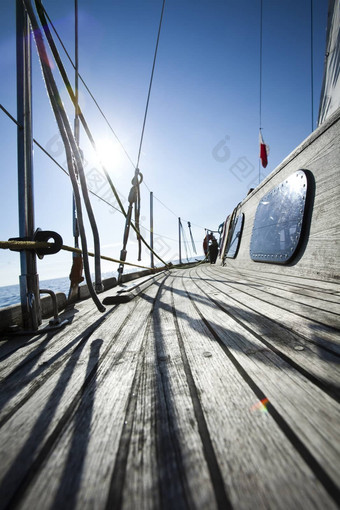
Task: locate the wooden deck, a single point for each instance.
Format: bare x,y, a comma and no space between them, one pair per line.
210,389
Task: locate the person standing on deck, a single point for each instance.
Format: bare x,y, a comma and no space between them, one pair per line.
213,251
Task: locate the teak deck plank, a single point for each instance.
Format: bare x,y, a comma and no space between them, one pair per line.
157,404
305,356
313,328
289,389
330,290
40,361
230,393
306,307
55,403
299,293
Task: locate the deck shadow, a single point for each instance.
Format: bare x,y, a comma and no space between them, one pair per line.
21,375
71,477
38,444
250,320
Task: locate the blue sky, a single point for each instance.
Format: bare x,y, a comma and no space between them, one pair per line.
200,150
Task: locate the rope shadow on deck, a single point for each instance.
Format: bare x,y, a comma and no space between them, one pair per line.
21,375
29,459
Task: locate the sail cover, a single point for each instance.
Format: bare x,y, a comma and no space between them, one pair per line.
330,92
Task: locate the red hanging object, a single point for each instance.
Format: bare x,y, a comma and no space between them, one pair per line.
263,152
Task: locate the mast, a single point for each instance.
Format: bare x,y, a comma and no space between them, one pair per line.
29,280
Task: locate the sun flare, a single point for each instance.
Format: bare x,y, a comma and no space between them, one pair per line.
110,153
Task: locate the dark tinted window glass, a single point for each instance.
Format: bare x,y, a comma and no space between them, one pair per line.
235,236
278,221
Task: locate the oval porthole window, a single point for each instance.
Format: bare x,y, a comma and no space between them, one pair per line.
278,221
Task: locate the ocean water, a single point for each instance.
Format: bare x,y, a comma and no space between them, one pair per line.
10,295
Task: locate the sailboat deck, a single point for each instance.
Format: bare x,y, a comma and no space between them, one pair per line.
212,388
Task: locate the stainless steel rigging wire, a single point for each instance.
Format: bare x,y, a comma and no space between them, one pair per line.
261,47
70,89
185,242
101,111
260,99
312,63
150,86
81,116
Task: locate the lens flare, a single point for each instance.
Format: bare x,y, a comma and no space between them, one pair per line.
260,406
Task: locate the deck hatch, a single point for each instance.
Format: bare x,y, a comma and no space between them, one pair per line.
235,237
278,221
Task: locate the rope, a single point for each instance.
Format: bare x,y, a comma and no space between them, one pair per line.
98,196
92,192
76,133
102,113
66,172
72,95
150,86
134,196
76,77
87,88
55,161
134,200
69,88
73,157
82,118
35,245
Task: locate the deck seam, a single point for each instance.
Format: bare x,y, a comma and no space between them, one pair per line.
335,329
65,418
273,275
314,380
296,442
83,337
161,449
116,487
268,283
309,340
222,499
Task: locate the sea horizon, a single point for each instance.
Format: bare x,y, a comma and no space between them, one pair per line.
10,294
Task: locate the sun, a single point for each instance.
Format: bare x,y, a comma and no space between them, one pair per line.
110,153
